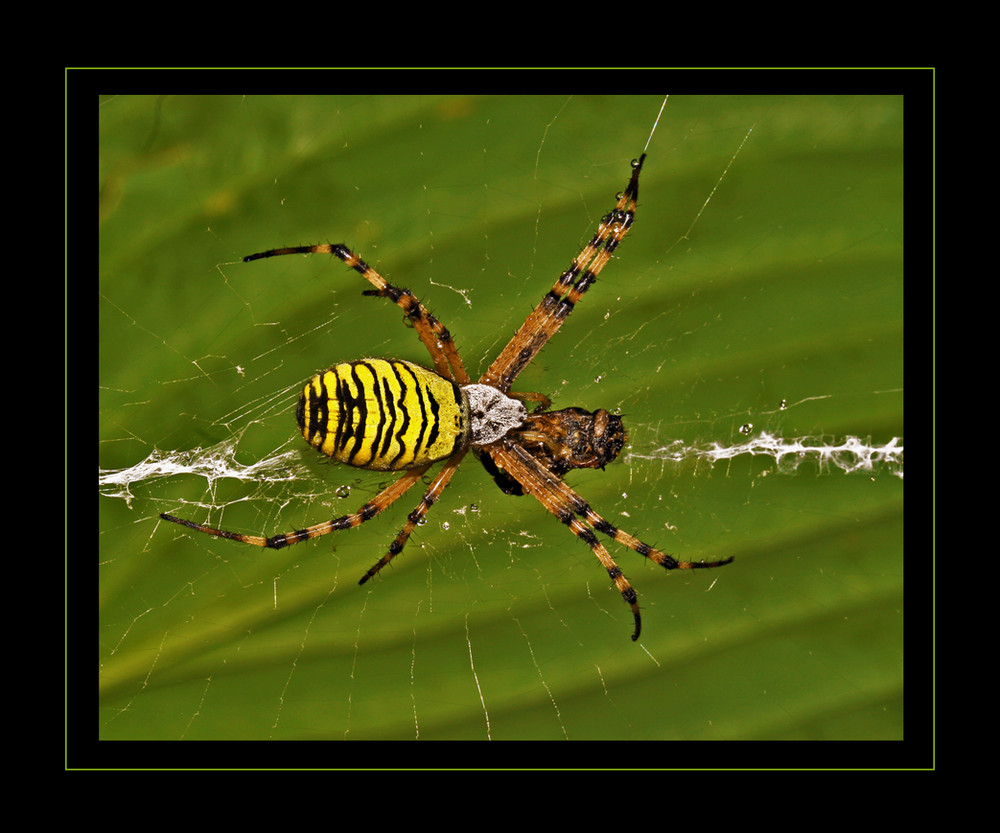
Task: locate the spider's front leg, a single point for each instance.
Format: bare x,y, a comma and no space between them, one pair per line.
541,401
546,319
530,471
518,466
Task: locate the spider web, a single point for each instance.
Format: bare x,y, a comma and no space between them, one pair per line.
762,422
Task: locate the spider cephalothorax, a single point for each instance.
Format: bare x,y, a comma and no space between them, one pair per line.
393,415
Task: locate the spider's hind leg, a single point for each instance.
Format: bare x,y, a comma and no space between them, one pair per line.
381,501
417,515
432,333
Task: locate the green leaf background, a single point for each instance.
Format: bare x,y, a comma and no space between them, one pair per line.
496,622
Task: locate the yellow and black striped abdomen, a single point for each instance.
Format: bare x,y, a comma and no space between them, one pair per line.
383,414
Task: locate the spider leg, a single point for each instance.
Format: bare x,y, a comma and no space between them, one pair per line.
432,333
558,303
542,402
541,485
582,509
429,499
656,556
381,501
567,505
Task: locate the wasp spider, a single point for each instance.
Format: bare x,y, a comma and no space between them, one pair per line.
397,416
